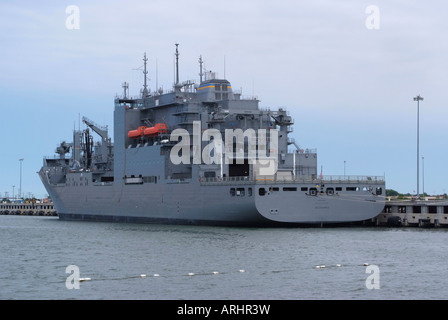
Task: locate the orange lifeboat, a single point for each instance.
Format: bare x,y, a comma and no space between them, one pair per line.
159,128
137,133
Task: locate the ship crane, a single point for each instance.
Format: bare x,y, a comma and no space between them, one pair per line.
102,132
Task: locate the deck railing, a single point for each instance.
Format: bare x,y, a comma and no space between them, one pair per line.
347,179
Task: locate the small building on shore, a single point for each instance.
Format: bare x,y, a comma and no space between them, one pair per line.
418,213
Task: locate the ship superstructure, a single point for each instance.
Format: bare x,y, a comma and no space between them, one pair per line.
153,174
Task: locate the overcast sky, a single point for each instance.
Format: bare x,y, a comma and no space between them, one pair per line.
347,73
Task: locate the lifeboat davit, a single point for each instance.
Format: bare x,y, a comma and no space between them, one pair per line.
137,133
159,128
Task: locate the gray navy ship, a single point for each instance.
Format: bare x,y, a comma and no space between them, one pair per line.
159,170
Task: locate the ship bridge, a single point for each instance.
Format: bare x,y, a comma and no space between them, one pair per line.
215,89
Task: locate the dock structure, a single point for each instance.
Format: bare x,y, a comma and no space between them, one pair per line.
406,213
414,213
30,209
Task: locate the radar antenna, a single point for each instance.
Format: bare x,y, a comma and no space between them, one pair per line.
125,86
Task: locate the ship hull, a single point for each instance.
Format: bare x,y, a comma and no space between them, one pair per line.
212,204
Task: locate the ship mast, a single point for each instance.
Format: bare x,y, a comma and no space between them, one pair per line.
177,64
200,69
177,85
145,72
125,86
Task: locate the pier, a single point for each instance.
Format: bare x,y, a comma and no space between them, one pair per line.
396,213
29,209
414,213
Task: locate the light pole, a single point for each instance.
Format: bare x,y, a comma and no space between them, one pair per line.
20,190
418,99
423,176
344,168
